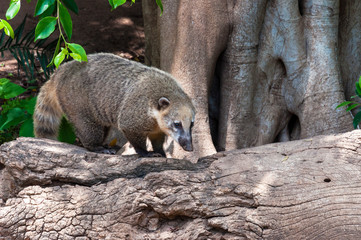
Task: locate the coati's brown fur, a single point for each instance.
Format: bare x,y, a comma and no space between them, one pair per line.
109,91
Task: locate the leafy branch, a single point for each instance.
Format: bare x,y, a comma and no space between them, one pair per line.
26,53
13,9
54,14
46,26
351,105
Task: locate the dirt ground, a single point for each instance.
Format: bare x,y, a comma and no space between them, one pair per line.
96,28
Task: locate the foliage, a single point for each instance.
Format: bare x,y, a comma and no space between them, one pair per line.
353,105
7,28
26,53
46,26
16,113
66,132
52,14
16,117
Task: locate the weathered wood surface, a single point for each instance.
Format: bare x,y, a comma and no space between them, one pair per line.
307,189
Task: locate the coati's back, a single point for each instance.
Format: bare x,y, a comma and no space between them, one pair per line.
107,91
102,81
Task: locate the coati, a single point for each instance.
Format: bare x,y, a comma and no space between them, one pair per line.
111,92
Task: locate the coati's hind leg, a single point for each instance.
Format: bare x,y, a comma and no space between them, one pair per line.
95,142
91,135
157,141
139,142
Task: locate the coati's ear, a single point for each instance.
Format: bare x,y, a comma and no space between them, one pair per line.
163,103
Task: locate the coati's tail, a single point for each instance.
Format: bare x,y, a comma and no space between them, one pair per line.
48,112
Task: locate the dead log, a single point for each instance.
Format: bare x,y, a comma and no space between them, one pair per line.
306,189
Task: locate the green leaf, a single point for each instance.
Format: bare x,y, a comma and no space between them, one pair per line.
4,81
70,4
27,128
45,27
55,53
76,48
352,107
60,57
48,12
358,90
344,104
356,119
14,117
3,118
28,104
160,5
76,56
7,28
66,132
19,31
42,6
9,89
117,3
13,9
65,20
111,4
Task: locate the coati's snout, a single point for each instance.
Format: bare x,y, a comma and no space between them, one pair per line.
186,142
177,122
182,133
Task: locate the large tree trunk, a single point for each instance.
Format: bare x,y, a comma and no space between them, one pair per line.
279,63
306,189
193,65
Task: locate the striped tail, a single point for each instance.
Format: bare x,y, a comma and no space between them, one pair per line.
48,113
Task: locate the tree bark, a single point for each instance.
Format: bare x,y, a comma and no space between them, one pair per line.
204,33
350,45
305,189
282,66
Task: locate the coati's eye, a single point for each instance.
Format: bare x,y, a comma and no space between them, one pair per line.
192,123
177,124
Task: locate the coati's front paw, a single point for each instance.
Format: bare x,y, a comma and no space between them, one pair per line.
104,150
154,154
150,154
107,151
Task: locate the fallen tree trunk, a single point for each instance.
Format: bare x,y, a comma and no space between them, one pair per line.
306,189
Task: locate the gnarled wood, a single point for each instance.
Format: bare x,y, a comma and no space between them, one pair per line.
282,66
306,189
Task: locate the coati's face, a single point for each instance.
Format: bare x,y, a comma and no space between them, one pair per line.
176,120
